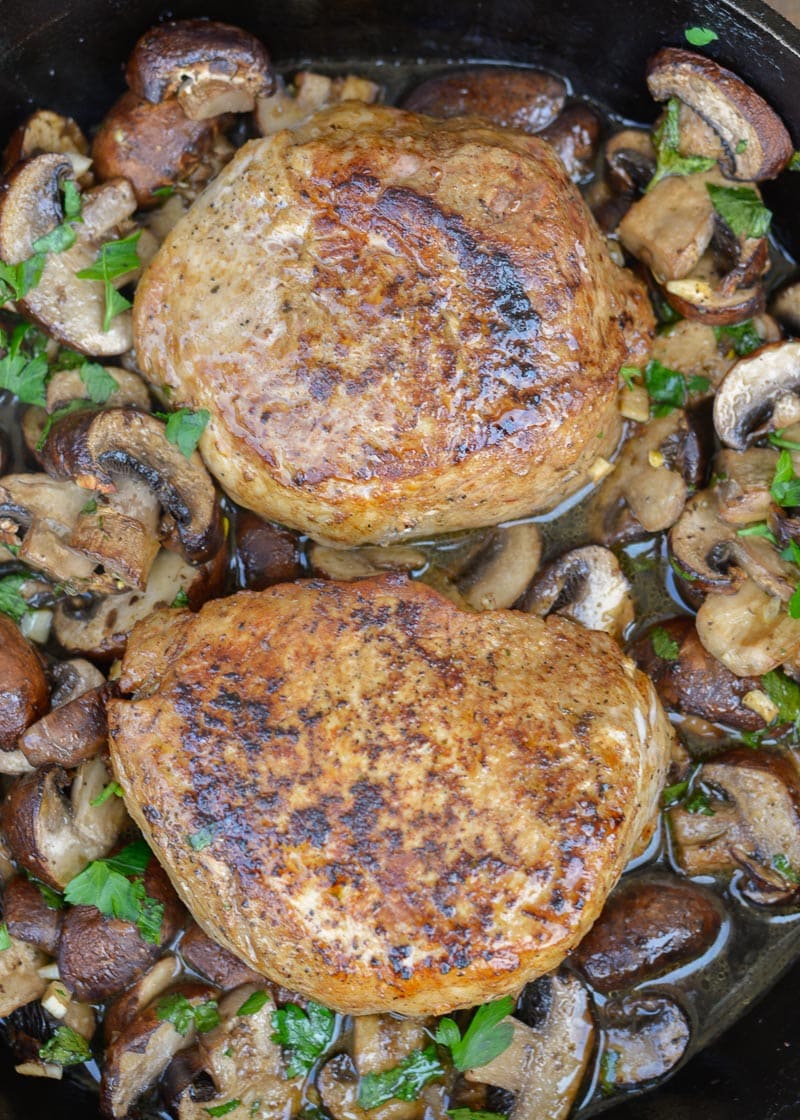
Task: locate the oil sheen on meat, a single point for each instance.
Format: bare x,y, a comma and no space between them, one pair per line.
380,800
399,326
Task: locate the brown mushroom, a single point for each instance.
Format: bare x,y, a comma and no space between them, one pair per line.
156,146
586,585
142,1051
630,160
124,1009
265,553
212,960
54,837
70,733
692,681
575,134
743,484
759,393
757,145
360,563
96,448
66,385
100,956
24,695
289,107
649,926
785,306
70,310
502,569
544,1065
528,100
671,226
30,916
749,631
20,981
702,546
45,131
645,1037
693,348
211,68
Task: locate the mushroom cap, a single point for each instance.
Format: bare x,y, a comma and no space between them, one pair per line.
762,388
755,139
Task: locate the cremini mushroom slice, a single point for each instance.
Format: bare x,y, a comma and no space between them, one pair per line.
97,449
211,68
67,385
138,996
702,546
290,106
54,836
757,145
759,393
216,963
645,1037
71,733
528,100
671,226
749,631
575,134
20,982
700,297
30,917
45,131
500,572
743,484
785,306
359,563
586,585
544,1065
69,309
630,160
24,693
99,629
142,1051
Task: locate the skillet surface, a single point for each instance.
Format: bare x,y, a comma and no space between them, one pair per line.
68,55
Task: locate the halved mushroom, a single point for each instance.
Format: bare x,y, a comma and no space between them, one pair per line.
99,956
71,733
545,1064
244,1063
135,999
645,1037
20,981
30,917
52,836
289,107
500,572
66,385
650,925
757,145
360,563
630,160
212,960
45,131
24,693
156,147
749,631
96,449
743,484
142,1051
760,392
586,585
754,820
528,100
70,310
99,628
211,68
575,134
692,681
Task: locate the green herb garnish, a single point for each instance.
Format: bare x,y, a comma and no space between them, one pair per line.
785,486
98,381
740,209
5,937
608,1072
699,802
16,280
304,1035
777,439
759,529
181,599
630,375
23,373
404,1082
203,837
163,192
473,1114
177,1009
485,1037
794,162
115,887
784,694
223,1109
254,1002
113,789
781,864
115,259
66,1048
700,36
666,141
663,646
669,388
742,337
185,427
11,602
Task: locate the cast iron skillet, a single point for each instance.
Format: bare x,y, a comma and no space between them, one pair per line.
67,55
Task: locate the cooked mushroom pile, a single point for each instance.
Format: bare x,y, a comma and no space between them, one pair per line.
683,546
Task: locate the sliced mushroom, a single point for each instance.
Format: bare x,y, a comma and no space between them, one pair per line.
693,681
287,108
647,1036
24,694
748,631
761,392
142,1051
20,981
96,448
359,563
701,297
650,925
30,917
66,385
692,348
757,145
696,137
212,960
755,821
500,572
70,733
575,134
99,957
211,68
702,546
743,486
156,146
338,1084
69,309
45,131
528,100
586,585
124,1009
544,1065
785,306
630,160
54,837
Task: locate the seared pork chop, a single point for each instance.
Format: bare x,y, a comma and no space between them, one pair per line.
380,800
399,326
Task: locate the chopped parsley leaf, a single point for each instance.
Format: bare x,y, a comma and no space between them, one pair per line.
181,599
740,209
742,337
608,1072
115,887
758,529
98,381
485,1037
113,789
404,1082
5,937
700,36
781,864
66,1048
473,1114
785,486
663,646
24,372
305,1035
115,259
794,162
777,439
177,1009
630,375
223,1109
203,837
666,141
185,427
699,802
11,602
254,1002
669,388
784,694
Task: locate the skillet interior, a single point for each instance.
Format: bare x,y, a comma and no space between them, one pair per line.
68,56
